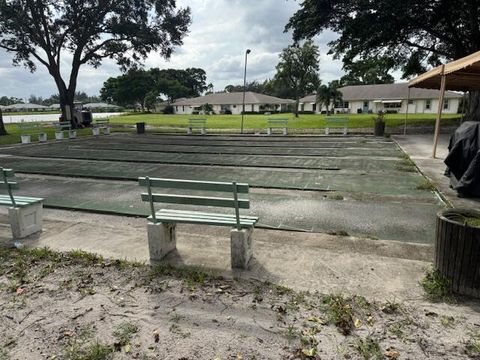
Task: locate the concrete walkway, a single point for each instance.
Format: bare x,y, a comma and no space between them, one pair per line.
304,261
419,148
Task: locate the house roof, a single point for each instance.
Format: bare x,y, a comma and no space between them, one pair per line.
385,92
24,106
99,106
234,98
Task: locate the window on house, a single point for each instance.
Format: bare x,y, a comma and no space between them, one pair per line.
446,104
234,106
410,102
176,108
428,104
365,104
314,107
302,107
183,108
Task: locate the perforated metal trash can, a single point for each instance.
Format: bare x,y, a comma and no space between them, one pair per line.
140,128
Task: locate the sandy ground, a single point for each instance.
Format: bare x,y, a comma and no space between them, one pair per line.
78,306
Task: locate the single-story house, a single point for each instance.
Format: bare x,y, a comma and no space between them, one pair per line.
232,102
101,107
392,98
24,107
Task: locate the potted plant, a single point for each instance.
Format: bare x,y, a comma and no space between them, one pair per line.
457,248
380,124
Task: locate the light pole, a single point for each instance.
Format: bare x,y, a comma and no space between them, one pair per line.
244,87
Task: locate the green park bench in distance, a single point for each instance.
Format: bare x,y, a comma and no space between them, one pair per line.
197,123
336,122
277,123
64,127
161,225
27,130
101,124
24,213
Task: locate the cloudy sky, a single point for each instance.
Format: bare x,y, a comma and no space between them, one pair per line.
220,32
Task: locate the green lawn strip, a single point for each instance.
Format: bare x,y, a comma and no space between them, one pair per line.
14,133
313,121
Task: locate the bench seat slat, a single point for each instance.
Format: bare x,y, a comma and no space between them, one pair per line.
194,218
172,211
9,172
194,185
11,184
196,200
193,214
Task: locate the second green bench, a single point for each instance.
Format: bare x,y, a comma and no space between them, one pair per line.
336,122
277,123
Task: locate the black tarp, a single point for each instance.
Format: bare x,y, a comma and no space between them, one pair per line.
463,160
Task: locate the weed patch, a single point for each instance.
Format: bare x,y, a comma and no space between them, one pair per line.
436,286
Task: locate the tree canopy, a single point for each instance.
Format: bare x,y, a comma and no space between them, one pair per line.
298,67
145,87
42,31
368,71
413,34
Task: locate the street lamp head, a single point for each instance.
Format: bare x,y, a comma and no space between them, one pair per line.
249,51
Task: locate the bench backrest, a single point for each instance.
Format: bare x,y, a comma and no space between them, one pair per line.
197,122
7,184
63,125
279,121
341,121
228,187
24,127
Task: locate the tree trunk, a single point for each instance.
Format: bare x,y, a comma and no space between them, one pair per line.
3,131
473,106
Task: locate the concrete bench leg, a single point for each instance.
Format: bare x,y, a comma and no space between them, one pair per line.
189,130
345,131
269,131
285,131
106,131
203,131
95,131
59,135
72,134
26,139
162,239
241,247
327,131
42,137
26,220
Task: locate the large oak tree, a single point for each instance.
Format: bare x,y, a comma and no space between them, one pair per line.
415,34
298,67
43,31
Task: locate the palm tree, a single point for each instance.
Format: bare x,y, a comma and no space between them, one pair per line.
328,95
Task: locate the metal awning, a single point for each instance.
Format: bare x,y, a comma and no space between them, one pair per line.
391,101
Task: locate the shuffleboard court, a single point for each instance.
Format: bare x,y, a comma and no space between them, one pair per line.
404,184
362,186
380,164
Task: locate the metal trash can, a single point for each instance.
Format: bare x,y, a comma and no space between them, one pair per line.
140,128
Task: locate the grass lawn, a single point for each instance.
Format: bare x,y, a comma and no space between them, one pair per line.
316,121
251,122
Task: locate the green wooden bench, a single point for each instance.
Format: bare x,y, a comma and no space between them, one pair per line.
281,123
336,122
101,124
162,224
64,127
29,129
198,123
25,213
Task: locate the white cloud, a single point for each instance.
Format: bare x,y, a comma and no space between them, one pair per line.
220,33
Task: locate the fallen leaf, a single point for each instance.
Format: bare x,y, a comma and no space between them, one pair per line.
392,354
316,320
357,323
127,348
20,291
156,336
309,352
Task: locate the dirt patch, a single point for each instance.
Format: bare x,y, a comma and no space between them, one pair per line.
79,306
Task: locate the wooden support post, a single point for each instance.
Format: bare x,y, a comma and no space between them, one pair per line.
406,114
439,112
